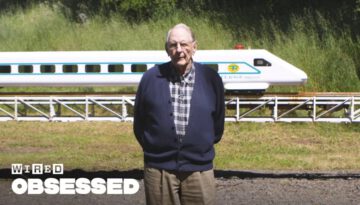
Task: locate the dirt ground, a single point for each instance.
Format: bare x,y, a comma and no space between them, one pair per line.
232,188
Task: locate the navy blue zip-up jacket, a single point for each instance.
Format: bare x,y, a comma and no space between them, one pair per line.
154,126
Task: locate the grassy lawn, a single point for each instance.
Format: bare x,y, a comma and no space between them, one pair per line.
295,146
111,146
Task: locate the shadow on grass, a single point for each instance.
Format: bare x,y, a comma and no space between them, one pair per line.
226,174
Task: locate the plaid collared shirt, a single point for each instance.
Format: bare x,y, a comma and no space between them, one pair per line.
181,91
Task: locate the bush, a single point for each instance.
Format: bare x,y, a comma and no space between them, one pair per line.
132,10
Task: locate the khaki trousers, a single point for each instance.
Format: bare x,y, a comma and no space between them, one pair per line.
171,187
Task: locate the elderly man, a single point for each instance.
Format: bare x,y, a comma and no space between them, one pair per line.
179,116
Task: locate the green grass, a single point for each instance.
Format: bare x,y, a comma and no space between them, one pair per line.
310,42
78,145
295,146
245,146
41,28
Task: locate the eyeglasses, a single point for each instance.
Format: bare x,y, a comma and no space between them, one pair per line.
183,45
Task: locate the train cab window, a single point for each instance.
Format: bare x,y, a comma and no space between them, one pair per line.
47,68
25,68
261,62
138,68
213,66
5,69
70,68
116,68
92,68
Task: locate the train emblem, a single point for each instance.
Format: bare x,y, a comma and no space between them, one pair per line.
233,68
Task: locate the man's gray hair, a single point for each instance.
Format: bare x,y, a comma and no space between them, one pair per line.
184,26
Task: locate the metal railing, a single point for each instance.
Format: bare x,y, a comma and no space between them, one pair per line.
238,109
295,109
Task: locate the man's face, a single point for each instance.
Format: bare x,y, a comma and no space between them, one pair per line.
180,47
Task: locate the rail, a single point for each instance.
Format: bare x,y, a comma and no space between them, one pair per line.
264,108
294,109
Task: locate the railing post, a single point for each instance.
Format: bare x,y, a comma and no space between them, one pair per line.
124,108
237,109
16,109
86,108
275,110
352,109
314,109
51,109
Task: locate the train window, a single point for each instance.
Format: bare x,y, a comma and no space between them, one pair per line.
70,68
138,68
213,66
261,62
116,68
47,68
5,69
92,68
25,68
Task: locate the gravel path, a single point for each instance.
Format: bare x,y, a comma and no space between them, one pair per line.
247,189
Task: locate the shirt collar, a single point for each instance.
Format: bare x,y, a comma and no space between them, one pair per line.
188,77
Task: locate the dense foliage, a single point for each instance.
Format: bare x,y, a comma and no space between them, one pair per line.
343,14
347,10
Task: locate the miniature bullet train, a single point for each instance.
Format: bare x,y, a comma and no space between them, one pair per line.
254,69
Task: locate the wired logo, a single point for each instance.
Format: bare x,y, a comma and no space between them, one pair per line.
37,169
66,186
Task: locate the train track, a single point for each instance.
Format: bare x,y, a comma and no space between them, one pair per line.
118,106
244,95
70,94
